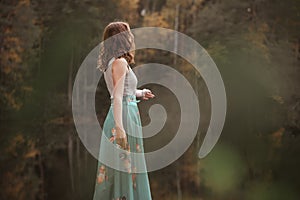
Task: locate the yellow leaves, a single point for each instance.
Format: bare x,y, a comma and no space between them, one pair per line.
20,177
18,38
12,101
24,2
11,54
11,98
155,19
32,153
130,4
14,143
14,185
18,139
32,150
128,10
11,40
278,99
27,88
7,30
27,146
257,36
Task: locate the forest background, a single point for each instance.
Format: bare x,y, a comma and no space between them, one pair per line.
255,44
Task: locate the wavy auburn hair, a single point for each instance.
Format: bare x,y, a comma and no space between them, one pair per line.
121,45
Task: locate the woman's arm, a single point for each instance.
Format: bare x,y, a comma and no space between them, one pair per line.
139,93
144,93
119,69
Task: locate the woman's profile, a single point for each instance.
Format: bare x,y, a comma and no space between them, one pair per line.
122,125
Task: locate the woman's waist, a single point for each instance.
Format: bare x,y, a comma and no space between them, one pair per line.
127,99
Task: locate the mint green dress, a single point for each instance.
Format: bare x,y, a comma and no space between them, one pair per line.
111,183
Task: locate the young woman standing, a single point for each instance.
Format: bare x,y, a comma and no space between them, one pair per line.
122,125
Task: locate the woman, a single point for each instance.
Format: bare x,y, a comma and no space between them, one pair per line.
122,126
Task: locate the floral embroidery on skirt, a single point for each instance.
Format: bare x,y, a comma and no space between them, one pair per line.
113,184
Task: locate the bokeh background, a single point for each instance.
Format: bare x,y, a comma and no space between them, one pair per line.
256,46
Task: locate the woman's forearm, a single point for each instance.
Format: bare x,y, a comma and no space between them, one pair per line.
117,110
141,93
119,72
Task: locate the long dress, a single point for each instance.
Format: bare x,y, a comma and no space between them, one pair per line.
112,183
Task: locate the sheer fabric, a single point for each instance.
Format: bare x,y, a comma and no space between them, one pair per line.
125,184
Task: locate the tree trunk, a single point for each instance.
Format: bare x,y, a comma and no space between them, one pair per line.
42,190
78,164
70,79
176,24
70,155
178,180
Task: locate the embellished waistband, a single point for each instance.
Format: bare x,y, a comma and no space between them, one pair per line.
128,99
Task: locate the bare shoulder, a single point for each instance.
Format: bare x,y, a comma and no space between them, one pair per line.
119,65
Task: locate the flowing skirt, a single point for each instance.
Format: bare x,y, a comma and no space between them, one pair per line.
117,175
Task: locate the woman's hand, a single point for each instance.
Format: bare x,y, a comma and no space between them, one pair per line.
121,138
147,94
119,69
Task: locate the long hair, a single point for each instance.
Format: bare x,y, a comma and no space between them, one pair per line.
121,45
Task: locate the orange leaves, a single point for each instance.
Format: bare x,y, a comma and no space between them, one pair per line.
19,35
27,88
14,143
276,137
156,19
15,186
32,151
24,2
12,101
257,36
20,177
20,146
11,53
23,149
128,9
278,99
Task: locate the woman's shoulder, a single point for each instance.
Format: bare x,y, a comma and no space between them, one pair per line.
120,63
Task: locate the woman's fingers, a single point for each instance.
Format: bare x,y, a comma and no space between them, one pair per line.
122,142
148,94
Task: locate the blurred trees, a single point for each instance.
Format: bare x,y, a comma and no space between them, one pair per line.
19,45
255,45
